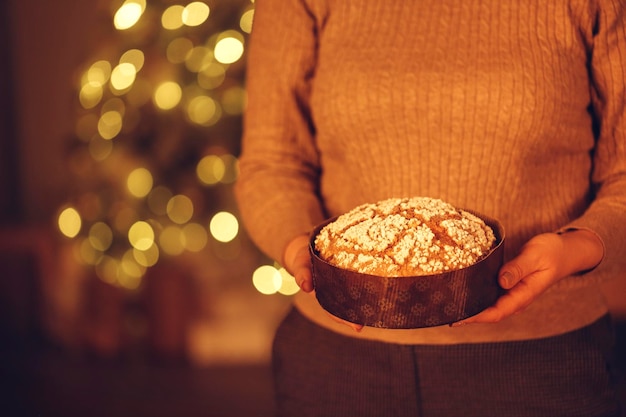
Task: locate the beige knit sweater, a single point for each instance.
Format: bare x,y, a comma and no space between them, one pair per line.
513,109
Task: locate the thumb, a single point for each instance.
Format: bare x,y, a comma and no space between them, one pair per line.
515,270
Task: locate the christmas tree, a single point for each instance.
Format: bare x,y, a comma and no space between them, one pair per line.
157,135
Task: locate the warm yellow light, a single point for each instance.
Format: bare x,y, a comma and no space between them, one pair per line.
99,72
224,226
234,100
107,269
90,95
266,279
167,95
100,236
232,169
195,13
195,237
110,124
288,285
148,257
141,235
211,76
135,57
198,58
180,209
88,254
99,148
130,271
126,280
70,222
203,110
245,23
172,240
139,182
172,17
178,49
114,104
123,76
128,14
210,169
228,50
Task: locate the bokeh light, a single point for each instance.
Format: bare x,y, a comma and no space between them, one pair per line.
180,209
245,22
123,76
139,182
69,222
128,14
228,50
195,237
266,279
195,13
141,235
172,17
110,124
172,240
100,236
98,73
203,110
90,94
211,169
167,95
135,57
153,177
224,226
148,257
288,285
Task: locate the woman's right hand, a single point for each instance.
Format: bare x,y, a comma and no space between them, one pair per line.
297,261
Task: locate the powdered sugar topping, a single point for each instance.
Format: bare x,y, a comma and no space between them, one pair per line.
405,237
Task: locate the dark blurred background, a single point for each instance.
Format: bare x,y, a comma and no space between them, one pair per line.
83,331
93,322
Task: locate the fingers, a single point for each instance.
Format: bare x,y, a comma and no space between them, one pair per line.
514,301
304,279
514,271
302,270
297,261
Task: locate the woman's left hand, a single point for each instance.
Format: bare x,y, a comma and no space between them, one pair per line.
543,261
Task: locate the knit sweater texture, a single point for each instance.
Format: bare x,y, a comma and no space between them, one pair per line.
511,109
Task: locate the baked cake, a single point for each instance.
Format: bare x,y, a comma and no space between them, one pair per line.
405,237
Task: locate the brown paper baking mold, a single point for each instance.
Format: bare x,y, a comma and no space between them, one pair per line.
409,302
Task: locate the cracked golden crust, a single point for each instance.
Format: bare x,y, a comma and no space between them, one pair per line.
405,237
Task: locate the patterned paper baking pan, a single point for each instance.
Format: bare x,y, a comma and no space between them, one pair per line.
409,302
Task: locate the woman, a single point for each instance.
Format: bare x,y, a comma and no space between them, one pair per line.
511,109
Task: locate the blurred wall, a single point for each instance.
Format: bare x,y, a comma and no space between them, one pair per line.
49,39
9,167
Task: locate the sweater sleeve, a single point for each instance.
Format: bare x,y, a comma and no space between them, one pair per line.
277,188
607,213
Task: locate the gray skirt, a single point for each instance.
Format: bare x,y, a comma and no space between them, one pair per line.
320,373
